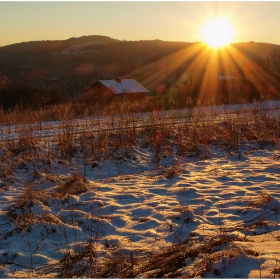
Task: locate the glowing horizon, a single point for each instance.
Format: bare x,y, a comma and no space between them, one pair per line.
168,21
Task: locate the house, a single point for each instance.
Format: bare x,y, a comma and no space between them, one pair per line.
104,90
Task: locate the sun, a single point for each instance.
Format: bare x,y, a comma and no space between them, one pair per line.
217,32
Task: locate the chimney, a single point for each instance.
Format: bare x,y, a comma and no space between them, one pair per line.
118,79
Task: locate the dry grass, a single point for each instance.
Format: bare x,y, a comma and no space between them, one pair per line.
261,200
40,154
73,185
79,263
170,263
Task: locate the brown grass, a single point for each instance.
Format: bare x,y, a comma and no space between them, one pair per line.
29,150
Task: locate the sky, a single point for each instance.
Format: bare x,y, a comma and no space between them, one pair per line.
169,21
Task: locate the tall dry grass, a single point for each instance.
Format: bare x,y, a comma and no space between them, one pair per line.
35,155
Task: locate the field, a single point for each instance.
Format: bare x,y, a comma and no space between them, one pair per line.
177,194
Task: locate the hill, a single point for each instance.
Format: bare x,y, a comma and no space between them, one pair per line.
95,56
258,49
72,65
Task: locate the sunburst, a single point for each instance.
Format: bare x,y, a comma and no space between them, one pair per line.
217,32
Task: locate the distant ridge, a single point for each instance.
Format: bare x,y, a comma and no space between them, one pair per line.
76,63
257,48
57,44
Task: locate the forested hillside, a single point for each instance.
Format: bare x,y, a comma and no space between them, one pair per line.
45,72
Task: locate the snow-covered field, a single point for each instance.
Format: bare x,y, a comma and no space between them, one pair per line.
163,201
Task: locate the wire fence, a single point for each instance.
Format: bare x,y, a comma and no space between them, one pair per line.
112,124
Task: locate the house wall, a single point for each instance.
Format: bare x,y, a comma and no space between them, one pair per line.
98,92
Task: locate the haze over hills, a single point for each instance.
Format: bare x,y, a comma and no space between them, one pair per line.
93,56
76,63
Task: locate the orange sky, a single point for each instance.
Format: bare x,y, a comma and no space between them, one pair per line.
170,21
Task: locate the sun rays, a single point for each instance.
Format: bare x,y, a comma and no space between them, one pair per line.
206,61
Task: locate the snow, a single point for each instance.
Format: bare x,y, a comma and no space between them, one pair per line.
143,206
